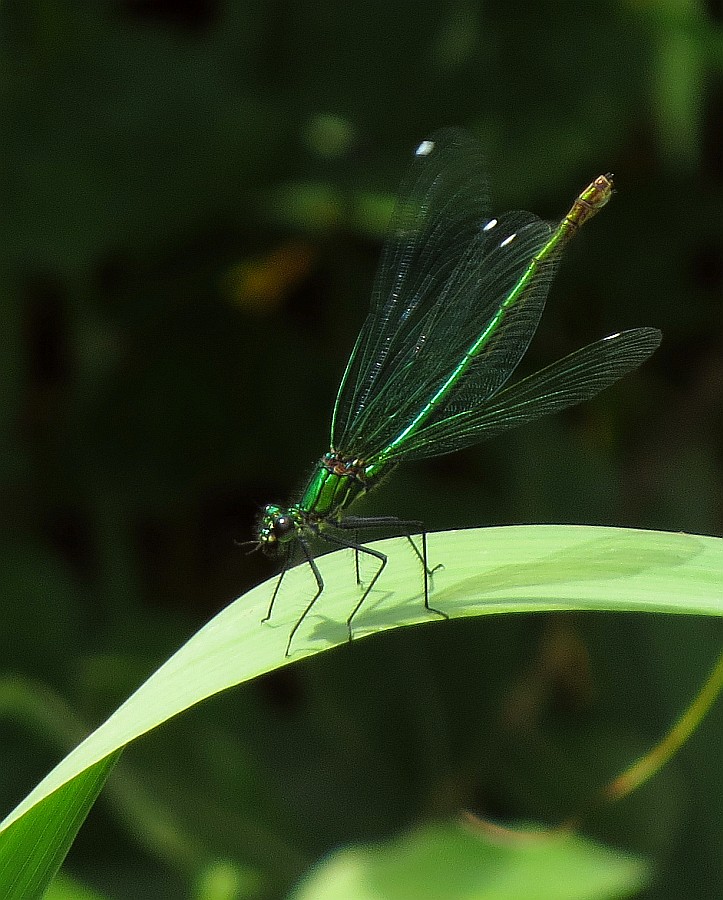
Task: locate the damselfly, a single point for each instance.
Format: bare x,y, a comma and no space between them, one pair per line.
457,298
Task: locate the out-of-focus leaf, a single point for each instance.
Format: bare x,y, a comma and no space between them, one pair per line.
455,863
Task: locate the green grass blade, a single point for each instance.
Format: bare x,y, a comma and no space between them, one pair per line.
487,571
34,846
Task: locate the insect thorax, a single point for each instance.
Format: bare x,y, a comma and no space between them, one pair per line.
334,485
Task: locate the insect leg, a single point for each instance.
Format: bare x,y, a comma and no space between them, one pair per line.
356,557
406,526
358,548
319,588
276,589
427,573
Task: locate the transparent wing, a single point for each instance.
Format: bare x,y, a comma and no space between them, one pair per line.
445,270
569,381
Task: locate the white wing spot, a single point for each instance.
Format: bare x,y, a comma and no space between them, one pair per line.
490,225
508,240
424,149
611,337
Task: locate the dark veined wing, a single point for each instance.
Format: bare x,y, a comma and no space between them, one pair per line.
571,380
446,268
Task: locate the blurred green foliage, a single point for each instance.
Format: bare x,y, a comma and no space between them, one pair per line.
193,198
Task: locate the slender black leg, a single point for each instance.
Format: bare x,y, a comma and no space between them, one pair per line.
319,588
354,523
406,527
422,555
427,573
359,548
356,556
383,562
276,590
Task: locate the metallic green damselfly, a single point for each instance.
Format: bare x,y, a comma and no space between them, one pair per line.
457,299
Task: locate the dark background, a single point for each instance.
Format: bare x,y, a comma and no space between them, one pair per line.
192,201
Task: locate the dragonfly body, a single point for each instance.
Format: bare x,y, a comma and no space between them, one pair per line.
457,299
335,484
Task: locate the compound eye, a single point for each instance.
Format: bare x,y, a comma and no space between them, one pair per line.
283,527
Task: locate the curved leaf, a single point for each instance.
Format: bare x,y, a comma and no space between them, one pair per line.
486,571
